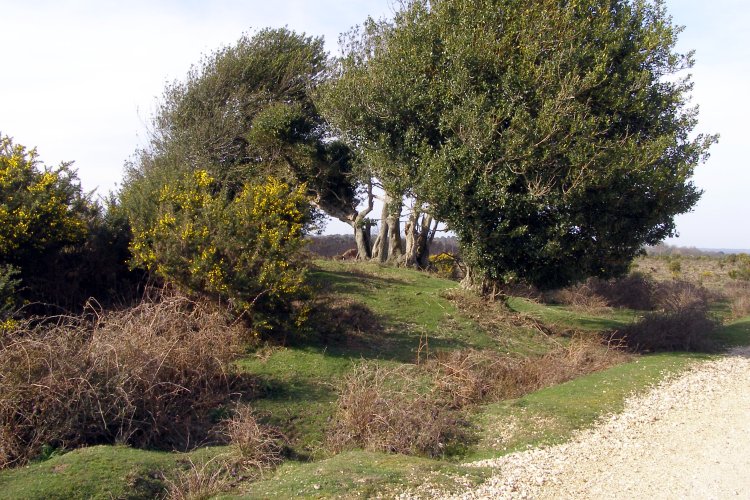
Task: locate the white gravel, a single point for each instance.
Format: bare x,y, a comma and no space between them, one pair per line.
687,438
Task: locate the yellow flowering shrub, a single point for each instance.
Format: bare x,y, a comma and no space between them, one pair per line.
42,212
36,207
443,264
243,248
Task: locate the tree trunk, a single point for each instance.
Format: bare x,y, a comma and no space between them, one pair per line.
357,220
395,252
380,247
362,228
471,280
424,240
419,236
362,238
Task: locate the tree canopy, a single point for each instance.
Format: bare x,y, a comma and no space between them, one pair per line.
221,198
246,112
555,138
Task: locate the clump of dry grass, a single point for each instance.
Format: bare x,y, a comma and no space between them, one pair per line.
633,291
198,482
383,409
146,376
581,297
471,376
678,295
256,447
738,295
418,410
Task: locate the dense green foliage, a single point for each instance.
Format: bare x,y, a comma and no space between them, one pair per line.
42,209
244,249
245,113
554,138
220,199
58,248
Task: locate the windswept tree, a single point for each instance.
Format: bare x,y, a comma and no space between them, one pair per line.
247,112
371,102
555,138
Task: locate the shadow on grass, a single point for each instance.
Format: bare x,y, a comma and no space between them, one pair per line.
350,282
736,333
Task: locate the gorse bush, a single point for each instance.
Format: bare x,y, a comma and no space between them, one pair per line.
244,248
147,376
42,214
41,209
58,248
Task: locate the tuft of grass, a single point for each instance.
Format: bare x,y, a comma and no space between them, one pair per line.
384,410
257,447
198,482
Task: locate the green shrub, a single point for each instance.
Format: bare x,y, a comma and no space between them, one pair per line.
8,284
242,247
43,214
675,266
63,247
688,329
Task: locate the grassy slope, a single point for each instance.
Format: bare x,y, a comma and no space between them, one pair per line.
409,309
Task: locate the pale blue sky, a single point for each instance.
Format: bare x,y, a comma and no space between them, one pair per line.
80,79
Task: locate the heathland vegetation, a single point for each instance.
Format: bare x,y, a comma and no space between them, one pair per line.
191,337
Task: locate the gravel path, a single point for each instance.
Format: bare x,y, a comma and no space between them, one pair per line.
687,438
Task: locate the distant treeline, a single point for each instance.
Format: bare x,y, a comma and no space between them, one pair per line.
332,245
663,249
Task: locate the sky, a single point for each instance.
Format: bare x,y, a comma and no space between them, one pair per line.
80,80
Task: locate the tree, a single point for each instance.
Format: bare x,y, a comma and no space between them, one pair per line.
248,112
555,138
367,101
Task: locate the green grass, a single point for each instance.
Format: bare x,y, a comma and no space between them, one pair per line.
551,415
98,472
358,474
559,315
298,388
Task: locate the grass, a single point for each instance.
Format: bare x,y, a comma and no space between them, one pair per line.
551,415
400,312
360,474
97,472
562,316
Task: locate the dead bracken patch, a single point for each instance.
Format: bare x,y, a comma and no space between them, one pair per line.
418,410
145,376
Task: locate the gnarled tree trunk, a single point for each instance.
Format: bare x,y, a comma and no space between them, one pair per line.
362,228
420,231
394,203
380,247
